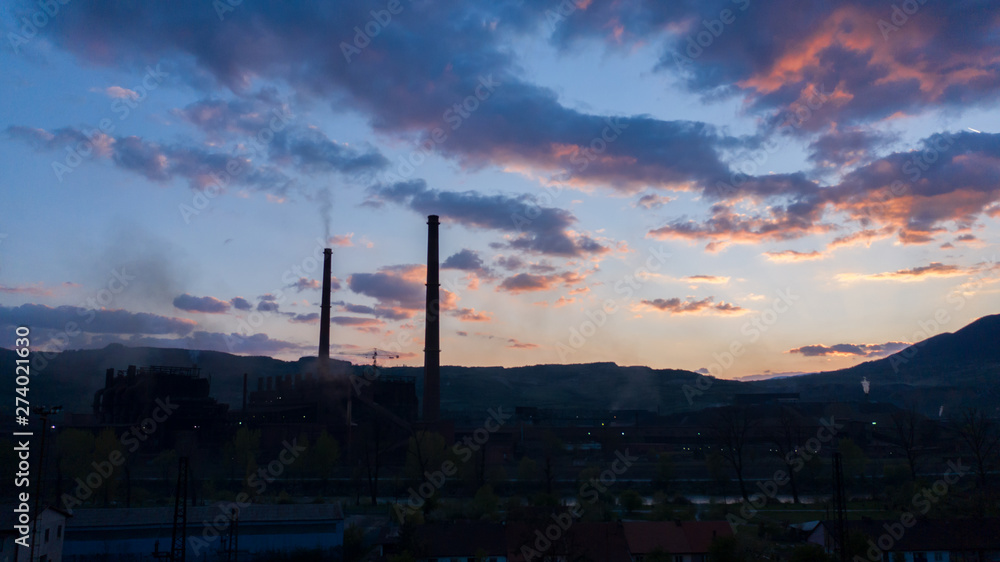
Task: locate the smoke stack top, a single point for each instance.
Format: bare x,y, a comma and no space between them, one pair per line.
324,320
432,327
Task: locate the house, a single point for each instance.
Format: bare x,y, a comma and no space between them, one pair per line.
913,540
49,539
683,541
124,534
460,541
574,541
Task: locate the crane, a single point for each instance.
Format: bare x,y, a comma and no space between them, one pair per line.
375,353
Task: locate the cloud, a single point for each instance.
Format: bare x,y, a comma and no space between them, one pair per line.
825,66
243,117
651,201
932,270
342,240
303,284
851,349
470,315
94,321
309,318
159,162
465,260
529,282
355,308
513,343
370,325
839,149
268,303
707,279
312,151
240,303
399,290
779,224
117,92
255,344
691,306
532,228
208,305
34,290
785,256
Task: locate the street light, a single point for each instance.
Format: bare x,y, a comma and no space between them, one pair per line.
44,412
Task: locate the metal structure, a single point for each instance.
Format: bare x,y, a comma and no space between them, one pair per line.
178,542
840,504
233,539
43,412
375,353
432,327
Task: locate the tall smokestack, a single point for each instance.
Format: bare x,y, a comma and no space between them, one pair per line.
324,320
432,327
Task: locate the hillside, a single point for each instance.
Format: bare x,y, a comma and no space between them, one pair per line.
948,370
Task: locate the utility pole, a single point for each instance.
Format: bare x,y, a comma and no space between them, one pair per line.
840,504
178,543
43,412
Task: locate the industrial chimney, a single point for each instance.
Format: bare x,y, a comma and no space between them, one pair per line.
432,327
324,320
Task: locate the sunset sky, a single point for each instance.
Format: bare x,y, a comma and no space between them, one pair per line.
811,184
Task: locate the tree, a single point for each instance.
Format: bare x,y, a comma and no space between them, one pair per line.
724,549
425,452
105,445
527,470
787,434
664,472
242,452
354,543
808,553
732,429
485,503
553,447
658,555
906,425
980,436
855,460
74,448
631,501
323,457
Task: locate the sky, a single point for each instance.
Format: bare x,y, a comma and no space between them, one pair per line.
731,186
